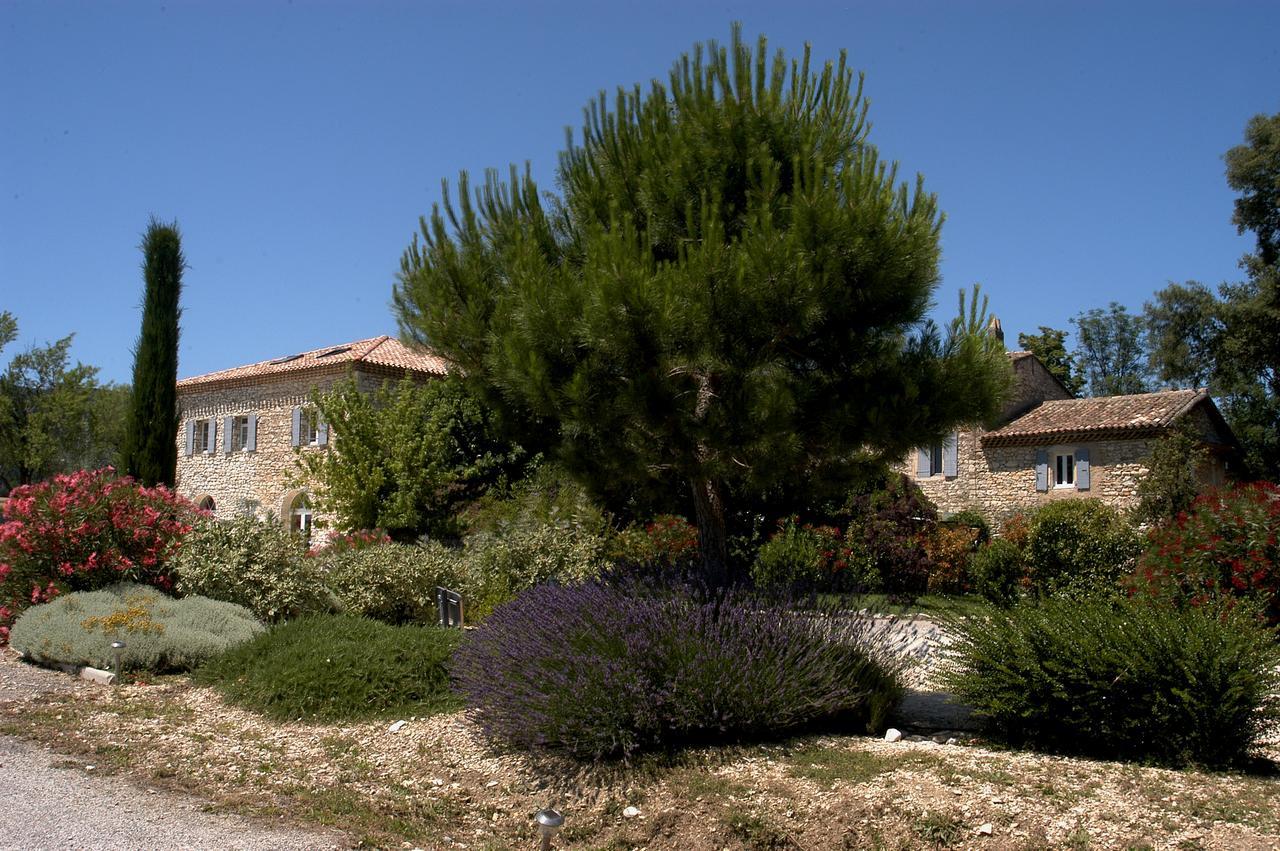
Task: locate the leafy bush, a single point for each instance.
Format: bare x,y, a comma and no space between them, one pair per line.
666,542
996,571
1117,677
338,668
340,542
950,549
1227,543
817,558
159,632
84,531
607,671
256,564
546,496
1079,545
1171,484
893,524
394,583
495,568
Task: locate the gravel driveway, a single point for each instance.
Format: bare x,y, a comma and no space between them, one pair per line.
50,801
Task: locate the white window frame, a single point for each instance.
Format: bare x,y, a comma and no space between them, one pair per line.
1059,455
202,437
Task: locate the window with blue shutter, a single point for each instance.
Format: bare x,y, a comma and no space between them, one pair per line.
1082,468
924,463
228,428
951,455
191,436
297,427
251,439
1042,470
211,436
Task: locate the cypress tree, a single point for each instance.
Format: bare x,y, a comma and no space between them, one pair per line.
730,292
150,452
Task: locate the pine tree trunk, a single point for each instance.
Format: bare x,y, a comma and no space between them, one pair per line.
713,540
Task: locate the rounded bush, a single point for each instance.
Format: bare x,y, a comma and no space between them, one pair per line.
604,671
996,571
255,564
159,633
1079,545
496,567
1121,678
393,583
1226,544
338,668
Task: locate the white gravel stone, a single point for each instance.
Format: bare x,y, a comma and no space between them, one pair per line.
893,735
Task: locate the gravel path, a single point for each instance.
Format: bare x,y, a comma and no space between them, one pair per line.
49,801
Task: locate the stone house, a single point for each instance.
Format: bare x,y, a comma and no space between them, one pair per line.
241,428
1049,445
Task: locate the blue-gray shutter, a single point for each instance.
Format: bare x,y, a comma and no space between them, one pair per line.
1042,470
1082,468
212,447
226,435
951,455
924,463
322,432
191,436
297,426
251,443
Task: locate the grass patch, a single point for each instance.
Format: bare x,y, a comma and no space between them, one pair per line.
939,829
827,764
338,668
756,832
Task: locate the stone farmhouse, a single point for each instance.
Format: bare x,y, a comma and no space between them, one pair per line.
1050,445
240,428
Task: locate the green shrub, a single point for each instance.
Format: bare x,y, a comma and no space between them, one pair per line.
792,557
1120,677
496,567
996,571
668,542
338,668
253,563
1079,545
159,632
394,583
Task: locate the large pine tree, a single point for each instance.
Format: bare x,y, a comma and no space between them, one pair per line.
729,292
150,452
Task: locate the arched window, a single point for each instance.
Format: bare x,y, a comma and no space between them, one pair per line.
206,503
300,517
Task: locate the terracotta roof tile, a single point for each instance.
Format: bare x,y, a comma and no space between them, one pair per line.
383,352
1140,415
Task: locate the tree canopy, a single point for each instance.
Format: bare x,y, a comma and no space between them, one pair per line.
1111,351
1050,347
729,291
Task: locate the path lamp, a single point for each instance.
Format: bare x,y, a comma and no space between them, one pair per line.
117,650
549,824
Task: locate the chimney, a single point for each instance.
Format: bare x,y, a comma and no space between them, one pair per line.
994,329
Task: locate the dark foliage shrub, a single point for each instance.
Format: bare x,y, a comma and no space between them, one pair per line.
84,531
253,563
1078,546
338,668
1227,543
950,548
970,518
159,633
814,558
996,571
893,524
603,671
1121,678
666,543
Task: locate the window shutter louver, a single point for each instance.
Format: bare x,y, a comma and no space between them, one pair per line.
924,463
191,436
251,442
212,446
1082,468
227,425
297,426
1042,470
951,455
322,432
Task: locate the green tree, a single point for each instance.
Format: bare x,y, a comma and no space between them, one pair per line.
47,412
1111,351
1049,346
1228,340
406,457
150,454
1172,481
729,292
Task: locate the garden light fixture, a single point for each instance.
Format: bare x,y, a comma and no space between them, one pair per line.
549,824
117,649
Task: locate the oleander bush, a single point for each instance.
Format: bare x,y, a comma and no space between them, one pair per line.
393,583
253,563
813,557
1226,544
83,531
604,671
338,668
1076,546
997,571
1116,677
160,633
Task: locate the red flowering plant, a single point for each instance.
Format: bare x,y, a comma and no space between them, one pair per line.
667,541
1226,544
85,530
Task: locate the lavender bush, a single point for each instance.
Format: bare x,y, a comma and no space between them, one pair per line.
601,671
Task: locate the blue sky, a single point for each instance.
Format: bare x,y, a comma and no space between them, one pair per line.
1075,147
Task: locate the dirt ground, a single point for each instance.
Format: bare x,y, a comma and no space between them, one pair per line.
437,782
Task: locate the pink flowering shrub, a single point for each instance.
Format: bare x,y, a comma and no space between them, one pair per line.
345,542
83,531
1226,544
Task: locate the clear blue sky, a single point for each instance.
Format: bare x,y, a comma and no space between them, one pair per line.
1075,146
